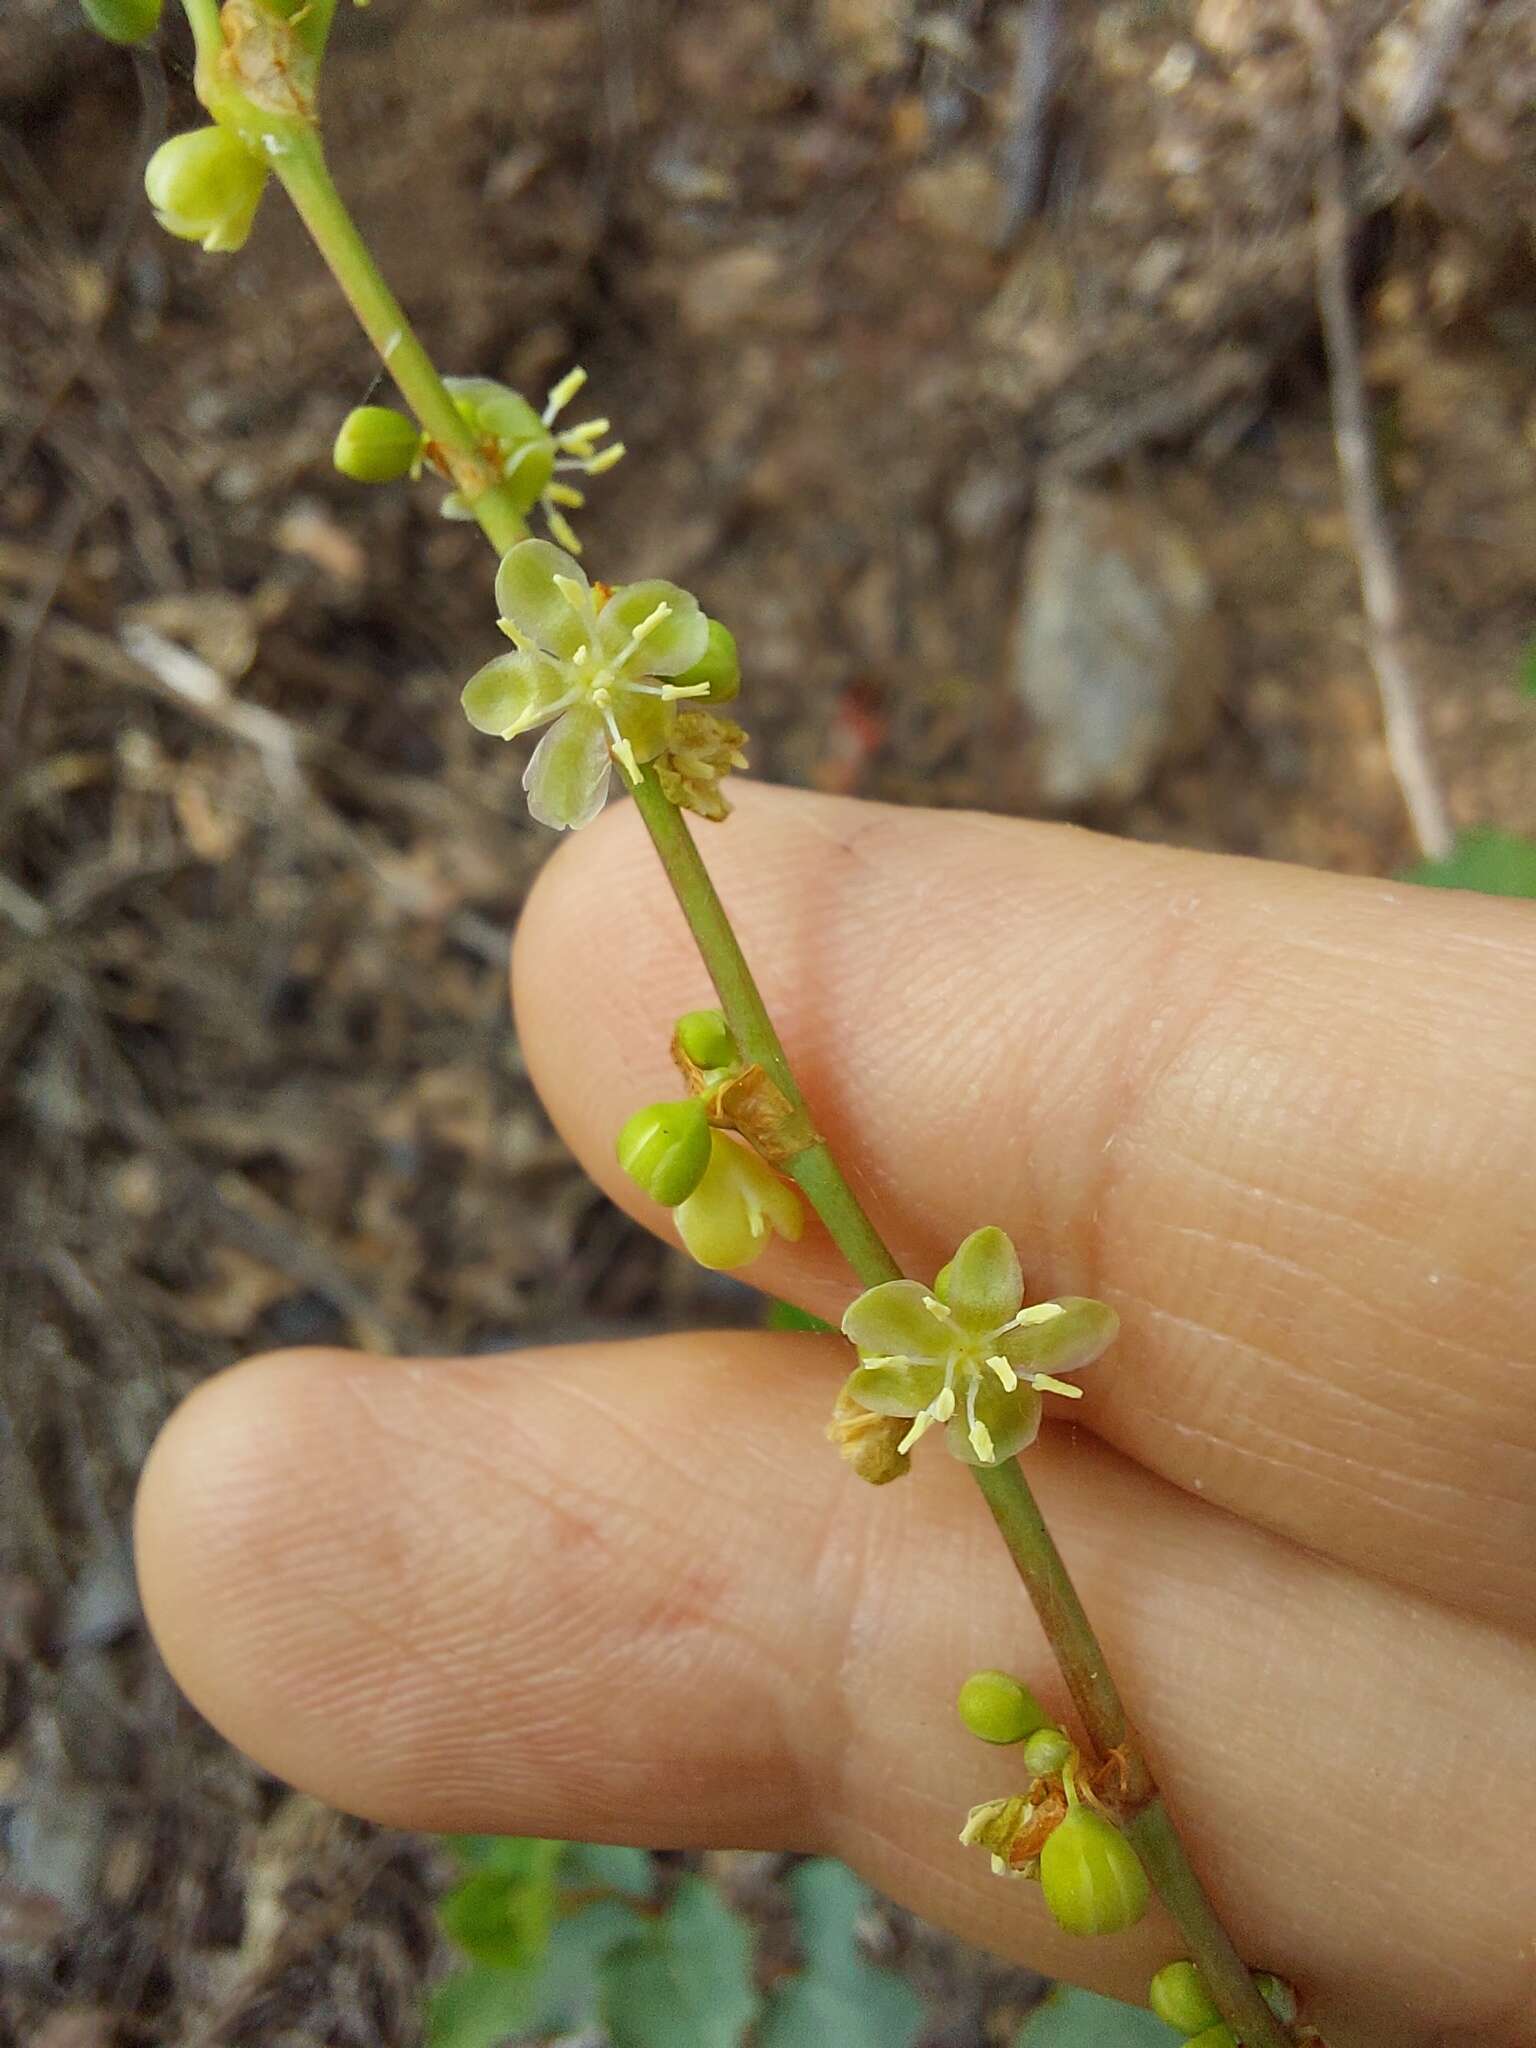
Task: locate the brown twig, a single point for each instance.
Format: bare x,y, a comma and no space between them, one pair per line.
1380,584
1445,29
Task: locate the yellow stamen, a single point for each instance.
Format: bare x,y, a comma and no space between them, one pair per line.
1044,1384
562,394
1004,1371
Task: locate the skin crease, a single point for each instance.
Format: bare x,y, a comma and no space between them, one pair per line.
625,1592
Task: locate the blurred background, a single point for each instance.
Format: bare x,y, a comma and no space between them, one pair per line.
968,353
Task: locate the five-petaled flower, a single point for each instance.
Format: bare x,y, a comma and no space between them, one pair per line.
968,1354
533,454
597,662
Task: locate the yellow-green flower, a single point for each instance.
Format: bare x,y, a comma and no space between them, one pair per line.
533,454
596,663
968,1354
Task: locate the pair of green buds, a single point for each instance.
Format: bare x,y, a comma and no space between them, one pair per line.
726,1201
1092,1879
1179,1996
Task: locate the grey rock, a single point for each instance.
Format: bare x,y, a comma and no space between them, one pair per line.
1118,652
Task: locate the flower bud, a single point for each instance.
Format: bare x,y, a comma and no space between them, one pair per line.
998,1708
707,1039
738,1205
205,187
1092,1877
1178,1995
719,666
377,445
123,21
1048,1751
665,1150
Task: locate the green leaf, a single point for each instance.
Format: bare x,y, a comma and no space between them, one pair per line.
597,1867
839,1996
509,1855
1496,863
479,2008
484,2006
502,1913
783,1315
564,1995
686,1982
1528,667
1070,2018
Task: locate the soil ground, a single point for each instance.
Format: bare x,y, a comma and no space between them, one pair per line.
851,305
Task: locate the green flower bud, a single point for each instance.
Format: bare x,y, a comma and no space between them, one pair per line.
1219,2036
1092,1877
1178,1995
1048,1751
123,21
707,1039
997,1708
205,187
719,666
377,445
1277,1995
665,1150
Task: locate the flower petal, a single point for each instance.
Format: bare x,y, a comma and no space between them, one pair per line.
1061,1343
896,1389
645,722
736,1208
1011,1421
513,693
530,598
982,1282
675,643
893,1321
567,779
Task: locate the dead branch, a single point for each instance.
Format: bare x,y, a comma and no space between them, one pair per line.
1380,583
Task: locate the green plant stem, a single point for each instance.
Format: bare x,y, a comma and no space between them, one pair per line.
1038,1562
301,166
207,36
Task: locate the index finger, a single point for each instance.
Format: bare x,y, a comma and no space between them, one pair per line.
1278,1119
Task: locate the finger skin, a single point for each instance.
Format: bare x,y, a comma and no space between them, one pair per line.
624,1592
1280,1120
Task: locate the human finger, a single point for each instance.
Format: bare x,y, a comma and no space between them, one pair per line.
1280,1120
623,1592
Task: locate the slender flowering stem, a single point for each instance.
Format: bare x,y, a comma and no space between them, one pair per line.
1145,1820
307,180
299,162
